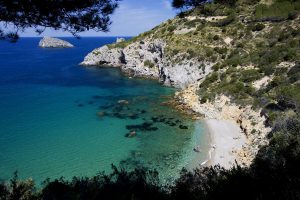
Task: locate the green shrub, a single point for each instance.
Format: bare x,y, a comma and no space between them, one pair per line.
191,53
171,28
258,27
292,15
224,22
221,50
216,37
234,60
193,23
209,52
276,11
148,63
250,75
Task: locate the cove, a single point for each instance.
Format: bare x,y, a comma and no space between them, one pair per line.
60,119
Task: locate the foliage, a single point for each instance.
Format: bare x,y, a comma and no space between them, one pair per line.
258,27
186,4
148,63
73,16
275,178
228,20
278,10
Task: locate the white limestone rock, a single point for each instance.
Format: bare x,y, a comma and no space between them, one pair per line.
50,42
104,56
120,40
182,74
146,58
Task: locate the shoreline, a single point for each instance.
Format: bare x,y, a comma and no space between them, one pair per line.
227,140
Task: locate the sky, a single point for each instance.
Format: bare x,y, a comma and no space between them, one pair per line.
130,19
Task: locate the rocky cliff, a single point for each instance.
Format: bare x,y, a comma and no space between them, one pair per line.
147,58
49,42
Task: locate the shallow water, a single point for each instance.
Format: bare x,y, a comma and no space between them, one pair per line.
60,119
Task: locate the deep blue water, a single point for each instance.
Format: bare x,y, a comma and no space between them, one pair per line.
61,119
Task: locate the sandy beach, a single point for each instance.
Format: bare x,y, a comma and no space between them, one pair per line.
226,137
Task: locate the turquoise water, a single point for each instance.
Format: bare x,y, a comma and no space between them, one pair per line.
60,119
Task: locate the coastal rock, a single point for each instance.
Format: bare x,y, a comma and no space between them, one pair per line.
105,56
181,75
146,58
49,42
120,40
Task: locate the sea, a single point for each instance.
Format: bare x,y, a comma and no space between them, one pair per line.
60,119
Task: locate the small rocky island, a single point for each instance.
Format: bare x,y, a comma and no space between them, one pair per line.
50,42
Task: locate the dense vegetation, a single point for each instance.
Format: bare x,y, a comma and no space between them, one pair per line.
265,43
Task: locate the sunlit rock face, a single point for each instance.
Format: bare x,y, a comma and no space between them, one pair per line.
49,42
146,58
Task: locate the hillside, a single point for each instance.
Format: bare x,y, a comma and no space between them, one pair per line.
236,62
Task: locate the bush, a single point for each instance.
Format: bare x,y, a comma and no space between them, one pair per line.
171,28
224,22
193,23
292,15
276,11
216,37
148,63
250,75
221,50
258,27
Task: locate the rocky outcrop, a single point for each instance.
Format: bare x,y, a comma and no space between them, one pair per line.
105,56
120,40
49,42
146,58
184,73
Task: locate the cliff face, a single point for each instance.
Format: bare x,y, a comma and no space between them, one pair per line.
49,42
147,58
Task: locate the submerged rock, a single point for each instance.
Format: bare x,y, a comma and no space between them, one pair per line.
49,42
101,113
124,102
131,134
146,126
183,127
